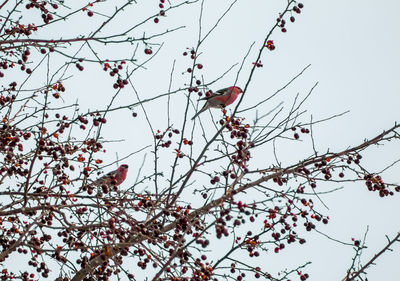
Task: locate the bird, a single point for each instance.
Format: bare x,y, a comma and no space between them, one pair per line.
220,99
115,177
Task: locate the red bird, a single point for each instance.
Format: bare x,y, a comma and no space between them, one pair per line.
113,178
220,99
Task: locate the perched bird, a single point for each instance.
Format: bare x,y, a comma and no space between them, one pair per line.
114,177
220,99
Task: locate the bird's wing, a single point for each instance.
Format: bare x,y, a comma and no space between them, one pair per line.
110,174
105,177
220,92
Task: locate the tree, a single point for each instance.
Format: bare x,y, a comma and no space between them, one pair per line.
215,199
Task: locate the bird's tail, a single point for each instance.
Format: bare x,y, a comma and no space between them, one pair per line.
205,107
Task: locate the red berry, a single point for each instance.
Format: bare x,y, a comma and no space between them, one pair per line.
156,20
43,51
199,66
90,14
283,30
292,19
300,5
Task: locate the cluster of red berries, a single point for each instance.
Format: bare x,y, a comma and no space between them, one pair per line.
197,82
192,56
7,100
375,183
270,45
169,132
282,22
25,56
239,131
120,83
302,130
21,61
57,88
97,121
304,276
21,29
214,180
258,64
355,158
90,13
252,243
197,90
4,65
10,140
84,122
229,173
162,11
46,15
38,243
78,65
25,276
114,70
203,242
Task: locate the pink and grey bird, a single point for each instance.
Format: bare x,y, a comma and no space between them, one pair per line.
220,99
113,178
